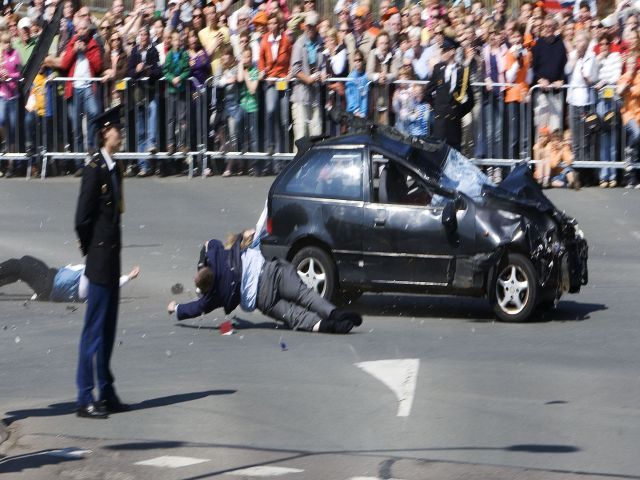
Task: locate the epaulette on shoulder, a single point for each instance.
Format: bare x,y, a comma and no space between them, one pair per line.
92,164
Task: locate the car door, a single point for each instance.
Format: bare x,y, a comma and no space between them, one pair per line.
328,187
404,240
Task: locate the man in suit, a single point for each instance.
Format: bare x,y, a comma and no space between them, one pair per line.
449,95
237,274
97,224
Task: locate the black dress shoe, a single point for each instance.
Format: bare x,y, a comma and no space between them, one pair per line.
92,410
114,405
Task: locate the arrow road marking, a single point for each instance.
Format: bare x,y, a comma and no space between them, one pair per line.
264,471
400,376
171,462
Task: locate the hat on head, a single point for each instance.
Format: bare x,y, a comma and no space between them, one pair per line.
389,13
261,18
311,18
449,44
362,11
110,118
24,22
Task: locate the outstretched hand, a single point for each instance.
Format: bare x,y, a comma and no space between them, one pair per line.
134,273
171,307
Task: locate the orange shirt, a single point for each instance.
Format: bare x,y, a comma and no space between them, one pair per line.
519,92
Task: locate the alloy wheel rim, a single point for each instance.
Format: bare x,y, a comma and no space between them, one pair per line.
313,274
512,289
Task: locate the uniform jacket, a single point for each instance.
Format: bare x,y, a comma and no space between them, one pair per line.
98,221
68,63
448,111
227,273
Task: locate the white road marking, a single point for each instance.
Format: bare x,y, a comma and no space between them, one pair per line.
265,471
400,376
171,462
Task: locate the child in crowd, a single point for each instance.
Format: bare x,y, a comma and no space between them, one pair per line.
561,160
419,114
403,100
357,91
176,72
248,78
226,76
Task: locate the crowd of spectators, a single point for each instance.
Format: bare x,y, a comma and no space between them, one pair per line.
253,69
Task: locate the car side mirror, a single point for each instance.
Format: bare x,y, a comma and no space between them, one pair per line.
449,219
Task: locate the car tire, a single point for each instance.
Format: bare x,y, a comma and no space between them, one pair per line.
317,270
515,289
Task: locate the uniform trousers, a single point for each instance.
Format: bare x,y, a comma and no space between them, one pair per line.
283,296
98,335
30,270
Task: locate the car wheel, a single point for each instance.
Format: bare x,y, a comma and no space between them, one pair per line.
515,289
317,270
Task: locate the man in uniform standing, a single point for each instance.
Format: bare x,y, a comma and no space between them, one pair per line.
97,225
449,95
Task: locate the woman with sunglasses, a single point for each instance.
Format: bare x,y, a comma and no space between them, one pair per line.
116,64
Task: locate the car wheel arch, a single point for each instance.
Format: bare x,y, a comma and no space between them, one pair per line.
308,241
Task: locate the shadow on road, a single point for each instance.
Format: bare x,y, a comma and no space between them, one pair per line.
68,408
33,460
472,309
238,324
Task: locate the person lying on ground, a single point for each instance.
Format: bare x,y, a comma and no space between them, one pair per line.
64,284
240,275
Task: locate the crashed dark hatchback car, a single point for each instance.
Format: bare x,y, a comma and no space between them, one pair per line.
378,212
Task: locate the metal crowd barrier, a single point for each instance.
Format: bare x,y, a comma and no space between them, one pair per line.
202,116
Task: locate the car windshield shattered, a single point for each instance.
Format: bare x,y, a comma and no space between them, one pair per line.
460,174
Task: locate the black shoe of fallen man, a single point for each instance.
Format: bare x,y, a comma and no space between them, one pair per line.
92,410
114,405
340,321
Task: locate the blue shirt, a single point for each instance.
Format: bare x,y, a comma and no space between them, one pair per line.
65,285
252,262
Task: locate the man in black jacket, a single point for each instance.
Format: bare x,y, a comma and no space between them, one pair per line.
97,225
449,95
549,58
145,71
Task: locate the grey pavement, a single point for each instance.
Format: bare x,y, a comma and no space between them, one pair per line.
556,398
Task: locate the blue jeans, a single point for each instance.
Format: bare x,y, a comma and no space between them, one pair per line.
8,118
492,113
608,144
83,103
277,113
250,136
33,124
516,143
632,131
146,129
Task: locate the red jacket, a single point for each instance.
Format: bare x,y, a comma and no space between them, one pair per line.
68,63
278,68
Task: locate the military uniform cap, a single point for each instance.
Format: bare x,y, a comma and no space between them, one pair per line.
110,118
449,44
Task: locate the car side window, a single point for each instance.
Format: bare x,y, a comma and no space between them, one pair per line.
394,184
329,173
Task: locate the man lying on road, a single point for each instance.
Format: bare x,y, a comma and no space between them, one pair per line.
64,284
240,275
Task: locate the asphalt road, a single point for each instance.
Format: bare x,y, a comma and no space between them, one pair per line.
425,388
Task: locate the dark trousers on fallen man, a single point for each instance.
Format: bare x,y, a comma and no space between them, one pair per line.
282,295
